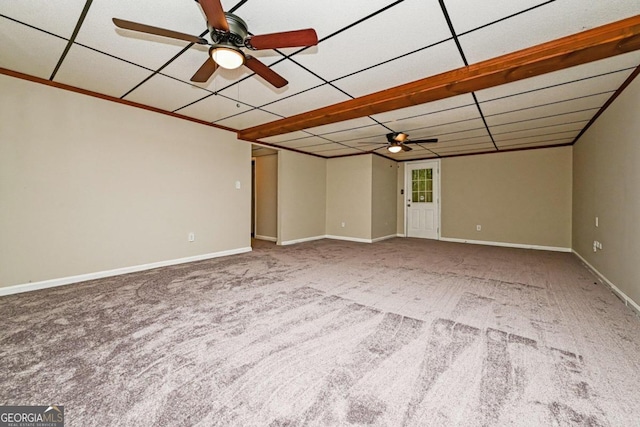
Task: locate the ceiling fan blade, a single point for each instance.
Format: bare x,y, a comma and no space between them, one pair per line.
406,148
265,72
142,28
205,71
371,143
296,38
423,141
215,14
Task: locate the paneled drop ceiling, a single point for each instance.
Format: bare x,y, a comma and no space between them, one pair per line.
364,47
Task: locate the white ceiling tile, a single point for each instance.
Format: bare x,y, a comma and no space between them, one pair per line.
40,13
369,133
312,141
99,32
336,150
417,111
325,17
469,152
574,105
310,100
461,137
28,51
552,21
166,93
341,126
88,69
309,144
540,143
540,131
368,44
249,119
553,120
460,119
213,108
626,62
464,16
608,84
419,65
286,137
549,137
469,148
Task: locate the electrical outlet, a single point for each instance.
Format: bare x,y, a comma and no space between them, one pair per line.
342,224
597,221
478,227
192,237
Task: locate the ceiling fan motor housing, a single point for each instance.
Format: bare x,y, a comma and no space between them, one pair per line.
237,34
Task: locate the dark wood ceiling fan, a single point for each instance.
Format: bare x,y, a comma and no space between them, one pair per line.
396,142
229,37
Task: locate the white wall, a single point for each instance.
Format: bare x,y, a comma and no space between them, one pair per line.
88,185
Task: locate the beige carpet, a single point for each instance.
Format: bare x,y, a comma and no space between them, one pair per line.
328,333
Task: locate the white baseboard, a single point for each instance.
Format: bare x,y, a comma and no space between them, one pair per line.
26,287
379,239
628,301
348,239
507,245
401,235
345,238
267,238
305,239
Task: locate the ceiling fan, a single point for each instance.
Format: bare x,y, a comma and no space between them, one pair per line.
396,142
229,35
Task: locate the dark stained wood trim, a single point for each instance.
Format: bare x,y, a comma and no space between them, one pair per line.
63,86
591,45
606,105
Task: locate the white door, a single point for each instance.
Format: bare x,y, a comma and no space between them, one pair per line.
422,188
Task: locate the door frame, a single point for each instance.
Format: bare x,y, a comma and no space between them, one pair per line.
407,186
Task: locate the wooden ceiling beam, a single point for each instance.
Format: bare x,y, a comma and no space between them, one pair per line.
591,45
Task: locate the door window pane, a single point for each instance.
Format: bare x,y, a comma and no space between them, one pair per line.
422,185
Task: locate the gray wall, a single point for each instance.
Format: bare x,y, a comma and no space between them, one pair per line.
88,185
606,184
521,197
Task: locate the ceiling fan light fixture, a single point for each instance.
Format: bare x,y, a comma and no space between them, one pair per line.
401,137
394,148
227,56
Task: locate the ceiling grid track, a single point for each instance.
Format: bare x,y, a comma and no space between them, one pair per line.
83,15
466,64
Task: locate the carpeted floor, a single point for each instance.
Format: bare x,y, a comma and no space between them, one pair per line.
400,332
